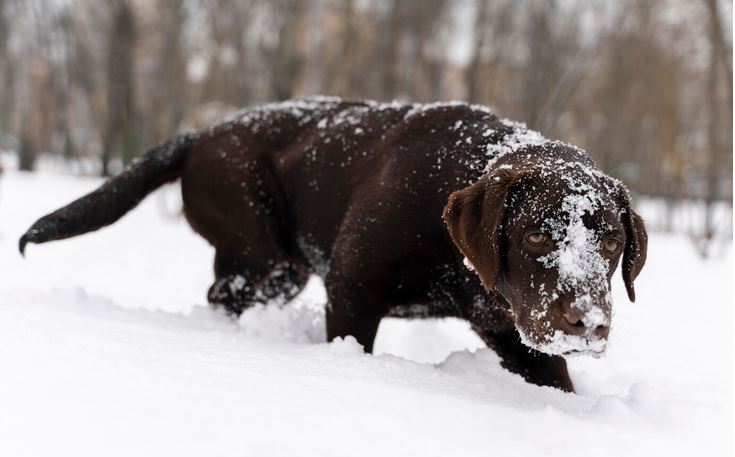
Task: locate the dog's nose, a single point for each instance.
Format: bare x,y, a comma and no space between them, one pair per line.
574,318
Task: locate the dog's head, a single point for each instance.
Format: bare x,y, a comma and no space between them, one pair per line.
548,238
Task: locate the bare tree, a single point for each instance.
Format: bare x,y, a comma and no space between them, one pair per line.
120,131
479,43
7,73
719,126
648,93
388,37
168,95
494,52
286,62
231,69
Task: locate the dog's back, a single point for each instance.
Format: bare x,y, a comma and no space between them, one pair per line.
310,186
301,167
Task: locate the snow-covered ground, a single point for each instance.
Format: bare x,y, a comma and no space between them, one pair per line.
106,349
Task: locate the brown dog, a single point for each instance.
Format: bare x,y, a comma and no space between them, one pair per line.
354,192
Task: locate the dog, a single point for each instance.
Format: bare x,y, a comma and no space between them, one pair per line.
409,210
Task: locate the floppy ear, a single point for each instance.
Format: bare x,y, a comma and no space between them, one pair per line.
473,216
636,245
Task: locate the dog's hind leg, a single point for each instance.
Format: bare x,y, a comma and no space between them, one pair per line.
283,283
235,202
240,284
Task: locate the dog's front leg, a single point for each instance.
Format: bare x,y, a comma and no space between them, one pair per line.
351,311
343,322
536,367
354,306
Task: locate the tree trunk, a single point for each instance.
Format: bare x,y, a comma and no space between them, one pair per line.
715,126
391,43
26,151
287,63
472,76
120,135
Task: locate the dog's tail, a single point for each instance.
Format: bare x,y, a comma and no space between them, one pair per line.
115,197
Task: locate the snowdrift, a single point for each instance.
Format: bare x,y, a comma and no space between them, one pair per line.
106,348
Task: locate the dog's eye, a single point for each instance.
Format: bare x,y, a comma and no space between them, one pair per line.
536,239
610,245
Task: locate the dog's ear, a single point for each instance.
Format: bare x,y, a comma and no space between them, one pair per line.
474,216
636,244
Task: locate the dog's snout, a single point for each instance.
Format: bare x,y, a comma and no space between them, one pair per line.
578,321
574,317
601,331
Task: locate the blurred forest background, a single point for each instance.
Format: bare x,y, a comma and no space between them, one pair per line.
644,86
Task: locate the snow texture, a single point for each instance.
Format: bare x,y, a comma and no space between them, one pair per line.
519,137
577,256
582,270
106,349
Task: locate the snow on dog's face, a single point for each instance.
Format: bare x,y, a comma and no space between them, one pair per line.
548,238
564,237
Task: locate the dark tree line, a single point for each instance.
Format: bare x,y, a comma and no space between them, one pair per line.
644,85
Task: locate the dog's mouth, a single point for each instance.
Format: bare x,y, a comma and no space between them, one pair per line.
565,344
579,346
564,326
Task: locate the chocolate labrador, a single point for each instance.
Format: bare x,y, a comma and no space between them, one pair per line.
404,210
